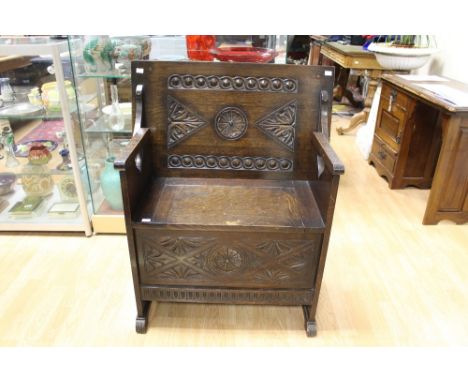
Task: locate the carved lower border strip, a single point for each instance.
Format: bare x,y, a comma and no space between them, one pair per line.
212,162
228,296
232,83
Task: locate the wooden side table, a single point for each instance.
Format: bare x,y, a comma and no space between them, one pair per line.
13,62
418,130
362,62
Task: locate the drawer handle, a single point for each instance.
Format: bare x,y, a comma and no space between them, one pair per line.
392,99
398,139
381,154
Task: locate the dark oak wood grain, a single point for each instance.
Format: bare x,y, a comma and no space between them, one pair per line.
229,184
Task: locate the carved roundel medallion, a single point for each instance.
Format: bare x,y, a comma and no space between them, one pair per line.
225,259
231,123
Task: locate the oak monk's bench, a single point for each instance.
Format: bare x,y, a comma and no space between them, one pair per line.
229,184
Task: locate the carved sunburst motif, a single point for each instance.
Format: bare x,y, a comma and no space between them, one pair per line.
181,122
281,124
225,259
231,123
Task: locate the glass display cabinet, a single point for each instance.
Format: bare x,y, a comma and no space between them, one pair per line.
101,77
44,182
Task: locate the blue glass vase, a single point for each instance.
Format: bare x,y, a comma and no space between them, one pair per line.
110,184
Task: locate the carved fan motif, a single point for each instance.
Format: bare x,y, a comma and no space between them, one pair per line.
276,247
281,124
182,246
181,122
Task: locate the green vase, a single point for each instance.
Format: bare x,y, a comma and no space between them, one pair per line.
110,184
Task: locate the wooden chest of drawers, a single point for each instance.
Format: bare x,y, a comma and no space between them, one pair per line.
407,139
421,139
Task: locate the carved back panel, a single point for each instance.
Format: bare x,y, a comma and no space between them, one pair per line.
234,120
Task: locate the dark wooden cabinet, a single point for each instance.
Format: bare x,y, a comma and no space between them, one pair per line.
406,140
229,184
421,140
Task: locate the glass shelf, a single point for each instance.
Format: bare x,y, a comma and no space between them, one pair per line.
44,116
101,126
41,216
53,172
108,75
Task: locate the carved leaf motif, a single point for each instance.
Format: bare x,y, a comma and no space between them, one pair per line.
281,124
182,122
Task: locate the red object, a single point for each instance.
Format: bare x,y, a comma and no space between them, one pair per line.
38,154
199,47
244,54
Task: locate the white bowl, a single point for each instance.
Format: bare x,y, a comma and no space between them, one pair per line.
125,108
397,58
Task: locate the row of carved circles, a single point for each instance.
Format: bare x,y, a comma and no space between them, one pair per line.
188,81
230,163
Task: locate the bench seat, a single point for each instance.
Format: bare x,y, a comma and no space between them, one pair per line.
236,203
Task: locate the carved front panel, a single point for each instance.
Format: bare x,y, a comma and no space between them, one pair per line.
212,261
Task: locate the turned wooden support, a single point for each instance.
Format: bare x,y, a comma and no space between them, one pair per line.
361,117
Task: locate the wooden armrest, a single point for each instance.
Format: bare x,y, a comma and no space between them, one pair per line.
121,163
332,163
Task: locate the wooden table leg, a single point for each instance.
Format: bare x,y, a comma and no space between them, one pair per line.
355,121
314,54
362,116
342,83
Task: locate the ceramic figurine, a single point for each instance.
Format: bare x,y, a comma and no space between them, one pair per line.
110,184
97,54
125,53
66,162
128,48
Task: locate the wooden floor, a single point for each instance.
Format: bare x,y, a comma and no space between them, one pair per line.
388,281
